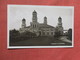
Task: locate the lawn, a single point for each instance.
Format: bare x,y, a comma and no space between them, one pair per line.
40,41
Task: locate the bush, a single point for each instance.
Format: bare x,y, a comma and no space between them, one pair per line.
16,36
13,35
70,34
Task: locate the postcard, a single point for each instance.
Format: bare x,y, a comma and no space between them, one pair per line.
37,26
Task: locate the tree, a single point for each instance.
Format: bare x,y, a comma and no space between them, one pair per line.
13,35
14,32
16,36
70,34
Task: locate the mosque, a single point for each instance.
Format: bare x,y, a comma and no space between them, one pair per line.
41,29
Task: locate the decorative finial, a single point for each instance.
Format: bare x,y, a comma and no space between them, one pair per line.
23,19
34,11
60,17
45,17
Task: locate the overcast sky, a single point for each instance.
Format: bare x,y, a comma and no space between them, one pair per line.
17,12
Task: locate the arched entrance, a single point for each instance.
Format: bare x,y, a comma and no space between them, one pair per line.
39,33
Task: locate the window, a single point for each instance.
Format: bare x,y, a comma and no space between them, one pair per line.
43,33
35,26
51,33
51,29
47,33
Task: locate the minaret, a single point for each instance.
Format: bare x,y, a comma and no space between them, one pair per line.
60,27
59,22
34,16
23,23
45,20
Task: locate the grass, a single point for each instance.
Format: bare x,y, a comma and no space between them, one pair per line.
40,41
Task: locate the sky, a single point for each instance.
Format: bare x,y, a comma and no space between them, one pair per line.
17,12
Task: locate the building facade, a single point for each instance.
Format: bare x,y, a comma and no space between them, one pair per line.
40,29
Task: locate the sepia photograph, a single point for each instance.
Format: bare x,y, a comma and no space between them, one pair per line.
39,26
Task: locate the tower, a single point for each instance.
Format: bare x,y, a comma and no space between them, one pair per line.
45,20
23,23
59,22
34,16
34,23
60,27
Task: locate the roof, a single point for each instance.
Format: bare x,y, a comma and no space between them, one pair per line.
45,26
59,18
23,19
34,11
41,25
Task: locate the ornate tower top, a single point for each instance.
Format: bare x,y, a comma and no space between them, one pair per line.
23,23
23,19
34,11
60,27
34,16
45,20
45,17
60,20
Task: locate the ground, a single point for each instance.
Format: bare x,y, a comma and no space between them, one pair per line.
43,41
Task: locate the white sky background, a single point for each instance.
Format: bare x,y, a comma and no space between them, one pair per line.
17,12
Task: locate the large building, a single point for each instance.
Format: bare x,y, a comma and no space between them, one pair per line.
41,29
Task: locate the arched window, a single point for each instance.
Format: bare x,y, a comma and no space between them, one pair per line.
51,33
47,33
35,26
43,33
